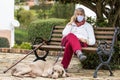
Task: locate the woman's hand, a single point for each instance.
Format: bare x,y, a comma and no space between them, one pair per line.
83,40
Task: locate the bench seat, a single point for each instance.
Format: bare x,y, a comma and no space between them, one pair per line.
57,48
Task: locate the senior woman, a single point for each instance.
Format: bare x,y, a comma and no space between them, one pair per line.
77,34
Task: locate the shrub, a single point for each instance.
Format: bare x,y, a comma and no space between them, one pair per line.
115,62
42,6
24,45
91,62
42,28
16,46
4,43
42,10
57,10
102,23
62,10
24,17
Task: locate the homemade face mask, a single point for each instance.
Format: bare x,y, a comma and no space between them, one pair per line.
80,18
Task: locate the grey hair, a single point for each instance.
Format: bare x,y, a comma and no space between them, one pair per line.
79,9
73,18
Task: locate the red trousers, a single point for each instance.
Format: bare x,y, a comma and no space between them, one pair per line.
71,43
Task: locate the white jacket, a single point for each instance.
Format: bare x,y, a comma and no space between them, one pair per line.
85,31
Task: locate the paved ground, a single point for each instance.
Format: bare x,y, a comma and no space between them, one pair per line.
76,72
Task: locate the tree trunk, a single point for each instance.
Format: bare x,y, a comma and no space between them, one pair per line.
114,15
99,13
118,21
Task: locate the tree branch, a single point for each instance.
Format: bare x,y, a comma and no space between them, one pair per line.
88,4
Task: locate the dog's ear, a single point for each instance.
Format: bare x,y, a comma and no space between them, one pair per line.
64,73
50,71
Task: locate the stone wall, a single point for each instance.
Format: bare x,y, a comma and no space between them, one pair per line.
26,51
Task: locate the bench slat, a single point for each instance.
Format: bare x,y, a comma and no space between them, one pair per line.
105,28
98,37
60,27
104,32
58,48
109,36
59,42
96,32
55,35
108,41
56,39
55,43
57,31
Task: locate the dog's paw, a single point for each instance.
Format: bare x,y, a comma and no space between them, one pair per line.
68,75
20,76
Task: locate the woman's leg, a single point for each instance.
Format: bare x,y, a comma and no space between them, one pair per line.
72,44
68,52
77,46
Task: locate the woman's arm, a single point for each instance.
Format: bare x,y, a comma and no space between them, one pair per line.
91,37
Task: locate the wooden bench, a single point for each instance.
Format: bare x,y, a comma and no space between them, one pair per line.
105,40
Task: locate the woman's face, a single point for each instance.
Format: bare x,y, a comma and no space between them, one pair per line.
79,16
79,13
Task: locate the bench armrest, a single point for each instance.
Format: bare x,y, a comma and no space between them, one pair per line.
39,40
104,47
118,30
104,43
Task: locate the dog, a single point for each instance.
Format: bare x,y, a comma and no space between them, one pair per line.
39,68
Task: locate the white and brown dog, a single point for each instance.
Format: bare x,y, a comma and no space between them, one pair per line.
39,69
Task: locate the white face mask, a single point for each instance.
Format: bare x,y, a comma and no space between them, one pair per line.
80,18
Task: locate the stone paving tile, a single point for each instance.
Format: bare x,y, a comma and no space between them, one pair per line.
76,72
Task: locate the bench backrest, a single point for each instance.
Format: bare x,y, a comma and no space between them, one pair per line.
101,33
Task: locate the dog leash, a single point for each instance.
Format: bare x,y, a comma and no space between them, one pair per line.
58,56
62,45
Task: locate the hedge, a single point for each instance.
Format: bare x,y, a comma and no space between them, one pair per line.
21,35
42,28
4,43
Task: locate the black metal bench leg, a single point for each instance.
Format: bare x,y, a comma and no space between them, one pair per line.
95,73
111,74
36,55
40,58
